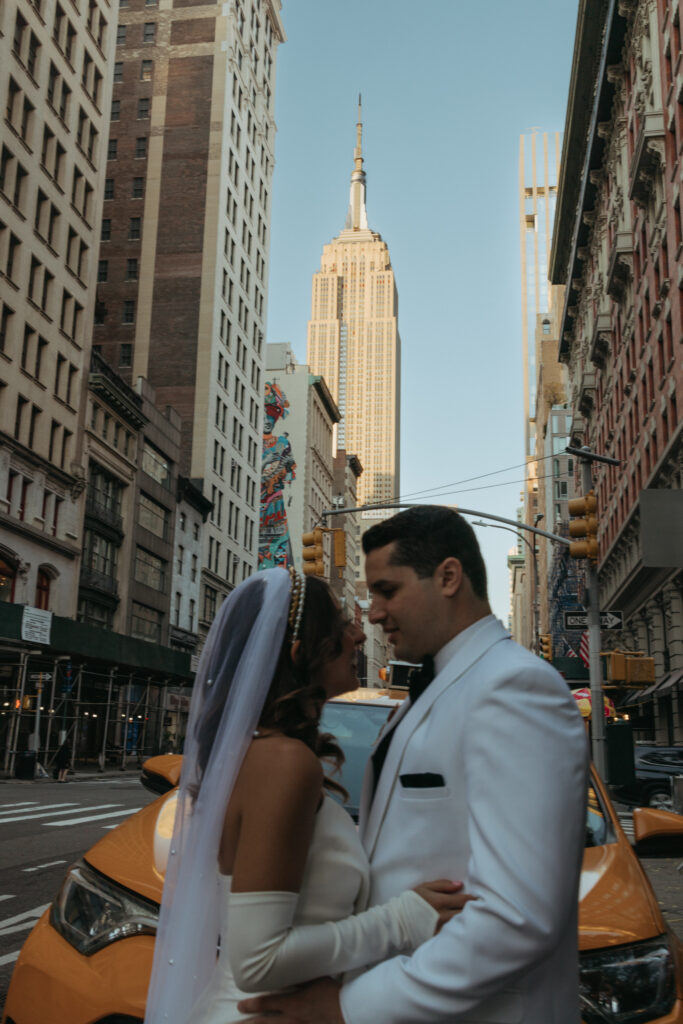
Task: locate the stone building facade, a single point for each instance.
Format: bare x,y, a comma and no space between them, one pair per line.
618,249
55,92
183,261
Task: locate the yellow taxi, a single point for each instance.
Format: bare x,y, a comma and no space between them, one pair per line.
88,959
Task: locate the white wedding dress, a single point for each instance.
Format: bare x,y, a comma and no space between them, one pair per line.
274,940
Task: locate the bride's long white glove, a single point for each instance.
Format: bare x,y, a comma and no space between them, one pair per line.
267,951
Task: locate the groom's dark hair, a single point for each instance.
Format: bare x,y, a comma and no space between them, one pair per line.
426,535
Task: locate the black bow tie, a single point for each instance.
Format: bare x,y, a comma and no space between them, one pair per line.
420,678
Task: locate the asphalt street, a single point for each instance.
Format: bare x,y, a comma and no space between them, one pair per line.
45,827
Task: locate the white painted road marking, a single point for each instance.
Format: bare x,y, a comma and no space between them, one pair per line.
26,919
24,803
92,817
9,896
9,958
72,809
50,864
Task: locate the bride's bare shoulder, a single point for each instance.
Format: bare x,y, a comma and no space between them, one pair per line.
283,759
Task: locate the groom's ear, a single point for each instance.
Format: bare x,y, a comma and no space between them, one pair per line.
450,576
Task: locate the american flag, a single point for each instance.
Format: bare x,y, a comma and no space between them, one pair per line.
569,651
584,649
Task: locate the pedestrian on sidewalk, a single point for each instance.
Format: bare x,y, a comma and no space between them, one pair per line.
62,761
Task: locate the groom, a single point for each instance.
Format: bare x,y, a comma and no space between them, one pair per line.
482,776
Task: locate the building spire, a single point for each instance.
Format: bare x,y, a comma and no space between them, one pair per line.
357,217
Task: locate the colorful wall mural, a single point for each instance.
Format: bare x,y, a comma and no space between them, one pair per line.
278,469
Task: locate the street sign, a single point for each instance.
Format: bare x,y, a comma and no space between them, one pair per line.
579,620
36,677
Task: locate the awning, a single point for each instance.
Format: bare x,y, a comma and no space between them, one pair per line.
668,682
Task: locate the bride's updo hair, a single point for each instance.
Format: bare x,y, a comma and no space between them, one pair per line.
296,696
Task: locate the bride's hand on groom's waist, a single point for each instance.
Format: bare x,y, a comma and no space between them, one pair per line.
446,897
316,1003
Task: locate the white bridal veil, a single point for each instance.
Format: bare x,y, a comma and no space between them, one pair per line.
235,672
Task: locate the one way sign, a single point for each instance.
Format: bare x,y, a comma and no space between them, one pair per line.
608,620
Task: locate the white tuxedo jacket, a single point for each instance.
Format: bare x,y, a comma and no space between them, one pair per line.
484,782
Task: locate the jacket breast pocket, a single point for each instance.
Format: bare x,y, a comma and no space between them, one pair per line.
423,786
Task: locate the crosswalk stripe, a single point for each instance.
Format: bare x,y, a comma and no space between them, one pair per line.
92,817
9,958
10,815
28,917
24,803
39,867
72,809
7,896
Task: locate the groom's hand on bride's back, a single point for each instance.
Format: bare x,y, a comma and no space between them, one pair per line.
446,897
315,1003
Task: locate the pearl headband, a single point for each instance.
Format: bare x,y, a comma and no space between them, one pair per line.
296,604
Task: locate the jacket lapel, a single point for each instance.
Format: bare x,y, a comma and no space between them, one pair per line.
369,775
404,725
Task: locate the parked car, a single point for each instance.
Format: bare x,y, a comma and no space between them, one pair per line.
655,767
88,959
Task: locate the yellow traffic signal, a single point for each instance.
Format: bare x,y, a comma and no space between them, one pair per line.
545,644
339,546
312,553
586,527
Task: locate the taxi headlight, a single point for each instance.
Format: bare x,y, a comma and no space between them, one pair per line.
627,984
91,911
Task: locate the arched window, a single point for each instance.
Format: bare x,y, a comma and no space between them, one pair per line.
43,590
8,575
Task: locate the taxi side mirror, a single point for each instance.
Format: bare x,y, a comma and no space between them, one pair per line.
161,773
657,833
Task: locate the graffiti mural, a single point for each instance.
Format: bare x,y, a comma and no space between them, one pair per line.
278,469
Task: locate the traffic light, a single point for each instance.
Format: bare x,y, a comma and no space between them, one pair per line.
585,527
545,644
339,547
312,553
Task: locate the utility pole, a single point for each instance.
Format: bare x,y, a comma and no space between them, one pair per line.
588,549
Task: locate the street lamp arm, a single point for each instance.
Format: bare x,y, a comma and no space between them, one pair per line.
555,537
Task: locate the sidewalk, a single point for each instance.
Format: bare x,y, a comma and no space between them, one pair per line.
80,774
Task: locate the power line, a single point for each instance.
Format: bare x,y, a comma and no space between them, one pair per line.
438,489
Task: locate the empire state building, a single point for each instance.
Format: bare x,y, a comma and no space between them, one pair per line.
353,342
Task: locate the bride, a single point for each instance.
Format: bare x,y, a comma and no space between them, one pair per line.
264,864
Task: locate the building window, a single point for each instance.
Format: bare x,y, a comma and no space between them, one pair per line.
138,189
112,148
109,188
126,355
128,316
121,35
154,464
8,576
210,598
143,107
141,147
134,228
95,614
149,32
145,623
153,517
118,71
102,270
115,110
150,570
42,598
146,71
131,270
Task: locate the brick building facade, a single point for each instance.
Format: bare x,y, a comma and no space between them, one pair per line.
618,249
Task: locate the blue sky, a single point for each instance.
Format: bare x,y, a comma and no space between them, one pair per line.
448,87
